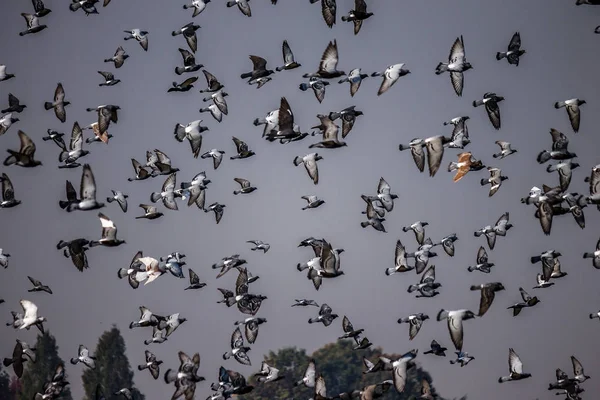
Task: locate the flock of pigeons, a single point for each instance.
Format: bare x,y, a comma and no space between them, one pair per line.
280,125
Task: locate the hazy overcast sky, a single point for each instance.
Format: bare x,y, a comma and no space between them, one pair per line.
561,63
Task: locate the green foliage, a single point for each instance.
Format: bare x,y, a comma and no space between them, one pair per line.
42,371
5,393
340,365
112,371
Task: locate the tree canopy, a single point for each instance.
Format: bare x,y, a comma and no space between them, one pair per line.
42,371
341,366
112,371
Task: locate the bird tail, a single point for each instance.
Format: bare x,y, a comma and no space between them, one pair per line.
470,269
154,197
303,86
226,356
443,314
376,74
453,166
496,155
63,204
298,161
110,199
313,320
185,185
74,6
441,68
592,316
536,259
63,156
74,361
477,103
170,376
8,361
344,18
477,234
364,224
559,104
48,105
230,301
390,271
122,273
259,121
412,288
475,287
179,70
551,168
246,75
175,33
500,55
231,3
142,367
588,255
543,157
483,182
147,342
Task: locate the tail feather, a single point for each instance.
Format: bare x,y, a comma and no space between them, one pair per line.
74,6
246,75
470,269
475,287
390,271
483,182
412,288
48,105
364,224
442,314
441,68
154,197
8,361
122,273
536,259
500,56
63,204
179,70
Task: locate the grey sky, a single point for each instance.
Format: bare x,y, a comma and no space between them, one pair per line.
561,63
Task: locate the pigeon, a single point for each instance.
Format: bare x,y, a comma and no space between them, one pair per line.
313,202
75,249
564,169
87,192
246,186
460,136
500,228
390,76
109,233
415,322
8,193
514,52
25,156
455,324
103,137
462,358
595,256
214,111
416,146
308,379
310,163
141,173
547,259
38,286
528,301
14,105
495,180
559,151
194,281
349,331
140,36
238,350
259,70
422,255
189,62
88,6
59,103
375,205
189,33
572,106
75,151
435,152
197,5
355,78
427,285
288,58
358,15
216,155
147,318
482,262
436,349
328,10
488,292
30,316
515,367
184,86
304,303
251,327
242,148
33,24
541,282
348,116
106,115
21,353
384,195
373,219
218,210
399,370
419,229
119,58
84,357
152,364
218,99
120,198
330,134
243,6
400,263
3,75
317,85
6,122
193,133
326,316
329,60
491,100
228,263
125,392
166,194
109,79
4,259
259,245
268,374
383,364
170,323
456,65
213,83
578,373
505,149
447,244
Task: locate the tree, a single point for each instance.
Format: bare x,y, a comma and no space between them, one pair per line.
112,371
5,393
38,373
340,365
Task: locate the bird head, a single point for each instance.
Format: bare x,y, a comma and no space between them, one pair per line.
582,102
182,320
467,66
424,317
468,315
13,120
318,157
357,113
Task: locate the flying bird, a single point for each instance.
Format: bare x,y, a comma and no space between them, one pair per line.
329,61
33,24
243,6
455,324
14,105
84,357
415,322
25,157
495,180
515,367
197,5
490,101
288,58
488,293
119,58
37,285
109,233
140,36
514,52
390,76
328,10
358,15
189,33
572,106
457,64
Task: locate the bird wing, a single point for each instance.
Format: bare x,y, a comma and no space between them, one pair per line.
457,79
258,63
399,377
347,325
76,137
59,93
194,279
574,116
400,255
188,82
109,229
455,326
515,42
383,187
311,168
545,217
457,51
415,326
162,157
482,256
329,59
514,362
487,297
237,340
29,309
429,275
560,142
288,56
27,145
418,155
493,112
524,295
328,9
577,367
251,330
87,187
285,116
240,145
435,153
169,184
